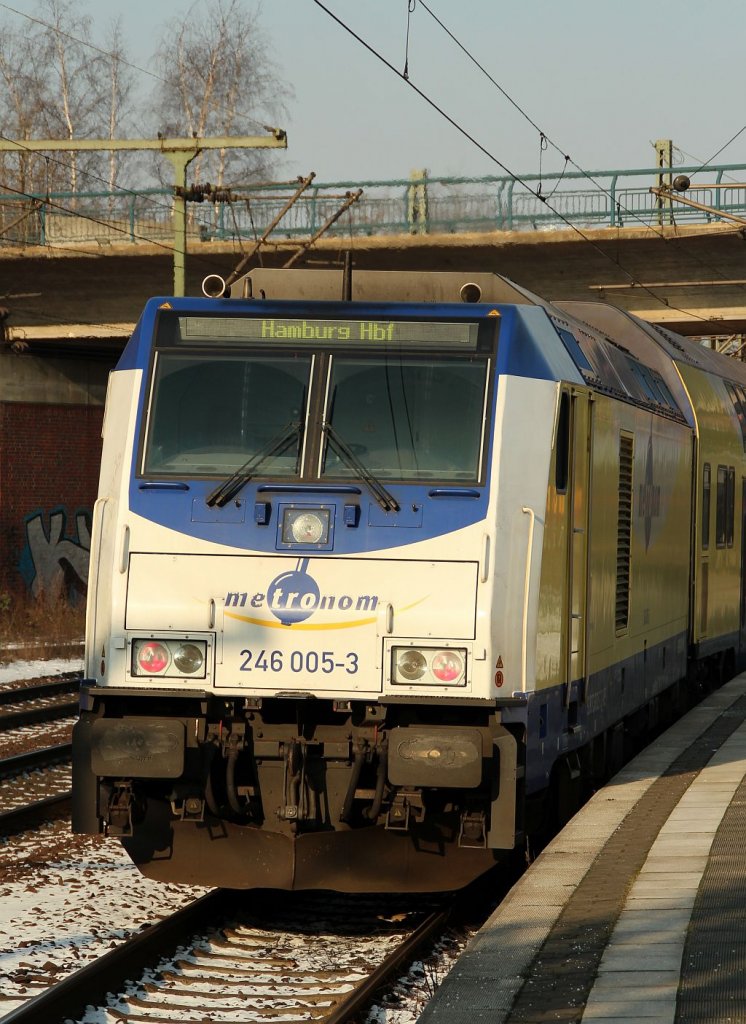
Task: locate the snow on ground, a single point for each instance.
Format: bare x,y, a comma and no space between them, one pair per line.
36,669
33,737
64,901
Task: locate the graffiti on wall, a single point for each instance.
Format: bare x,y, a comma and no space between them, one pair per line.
54,563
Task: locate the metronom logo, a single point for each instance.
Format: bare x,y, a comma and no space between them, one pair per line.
295,595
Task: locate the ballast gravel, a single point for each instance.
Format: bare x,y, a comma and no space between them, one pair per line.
65,900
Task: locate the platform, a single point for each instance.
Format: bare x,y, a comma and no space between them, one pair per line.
637,910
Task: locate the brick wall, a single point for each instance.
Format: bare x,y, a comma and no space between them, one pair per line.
49,466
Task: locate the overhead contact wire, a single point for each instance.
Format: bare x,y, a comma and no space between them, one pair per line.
506,169
568,159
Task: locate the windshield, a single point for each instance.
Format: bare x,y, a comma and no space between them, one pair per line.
407,418
211,414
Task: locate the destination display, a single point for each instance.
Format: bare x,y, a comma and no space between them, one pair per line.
277,330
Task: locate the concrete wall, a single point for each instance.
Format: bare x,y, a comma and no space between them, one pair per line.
51,411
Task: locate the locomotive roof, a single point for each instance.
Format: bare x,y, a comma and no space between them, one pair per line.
613,356
614,352
624,328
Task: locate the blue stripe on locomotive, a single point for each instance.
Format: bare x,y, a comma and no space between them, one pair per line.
528,346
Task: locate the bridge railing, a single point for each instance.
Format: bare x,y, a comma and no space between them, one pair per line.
420,204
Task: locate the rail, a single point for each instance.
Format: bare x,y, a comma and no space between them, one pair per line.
67,683
35,812
90,985
328,995
350,1006
422,204
27,713
49,808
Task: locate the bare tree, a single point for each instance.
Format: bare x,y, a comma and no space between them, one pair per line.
119,86
80,103
55,84
22,98
219,80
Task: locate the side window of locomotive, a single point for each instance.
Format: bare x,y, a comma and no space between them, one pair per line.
741,392
210,414
653,385
572,345
706,488
720,504
737,396
408,418
562,446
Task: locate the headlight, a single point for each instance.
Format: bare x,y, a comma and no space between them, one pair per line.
169,658
305,526
429,666
189,659
410,664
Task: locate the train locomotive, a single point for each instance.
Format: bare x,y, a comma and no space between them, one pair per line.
385,566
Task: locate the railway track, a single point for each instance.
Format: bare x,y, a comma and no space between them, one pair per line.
324,961
42,774
25,703
34,781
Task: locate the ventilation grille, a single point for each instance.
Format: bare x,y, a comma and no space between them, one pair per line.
624,532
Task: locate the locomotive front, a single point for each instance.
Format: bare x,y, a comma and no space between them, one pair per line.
290,669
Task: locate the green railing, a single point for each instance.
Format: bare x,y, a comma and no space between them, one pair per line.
418,205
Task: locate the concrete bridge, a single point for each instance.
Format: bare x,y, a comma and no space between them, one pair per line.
81,265
690,278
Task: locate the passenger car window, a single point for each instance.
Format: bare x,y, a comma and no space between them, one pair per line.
720,505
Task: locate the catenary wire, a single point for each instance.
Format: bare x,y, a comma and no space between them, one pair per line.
538,194
153,200
532,122
196,257
463,131
92,219
692,257
722,148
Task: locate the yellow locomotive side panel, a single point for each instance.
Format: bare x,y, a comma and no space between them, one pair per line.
553,591
718,522
639,547
661,528
627,505
561,632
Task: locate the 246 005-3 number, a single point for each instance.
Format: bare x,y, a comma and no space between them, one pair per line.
299,661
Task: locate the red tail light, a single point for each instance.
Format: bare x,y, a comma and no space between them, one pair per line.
153,657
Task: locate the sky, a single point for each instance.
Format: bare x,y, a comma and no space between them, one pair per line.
601,80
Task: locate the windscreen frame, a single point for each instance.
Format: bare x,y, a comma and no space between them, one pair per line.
484,347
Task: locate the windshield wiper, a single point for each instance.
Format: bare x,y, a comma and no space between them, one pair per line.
230,487
384,498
